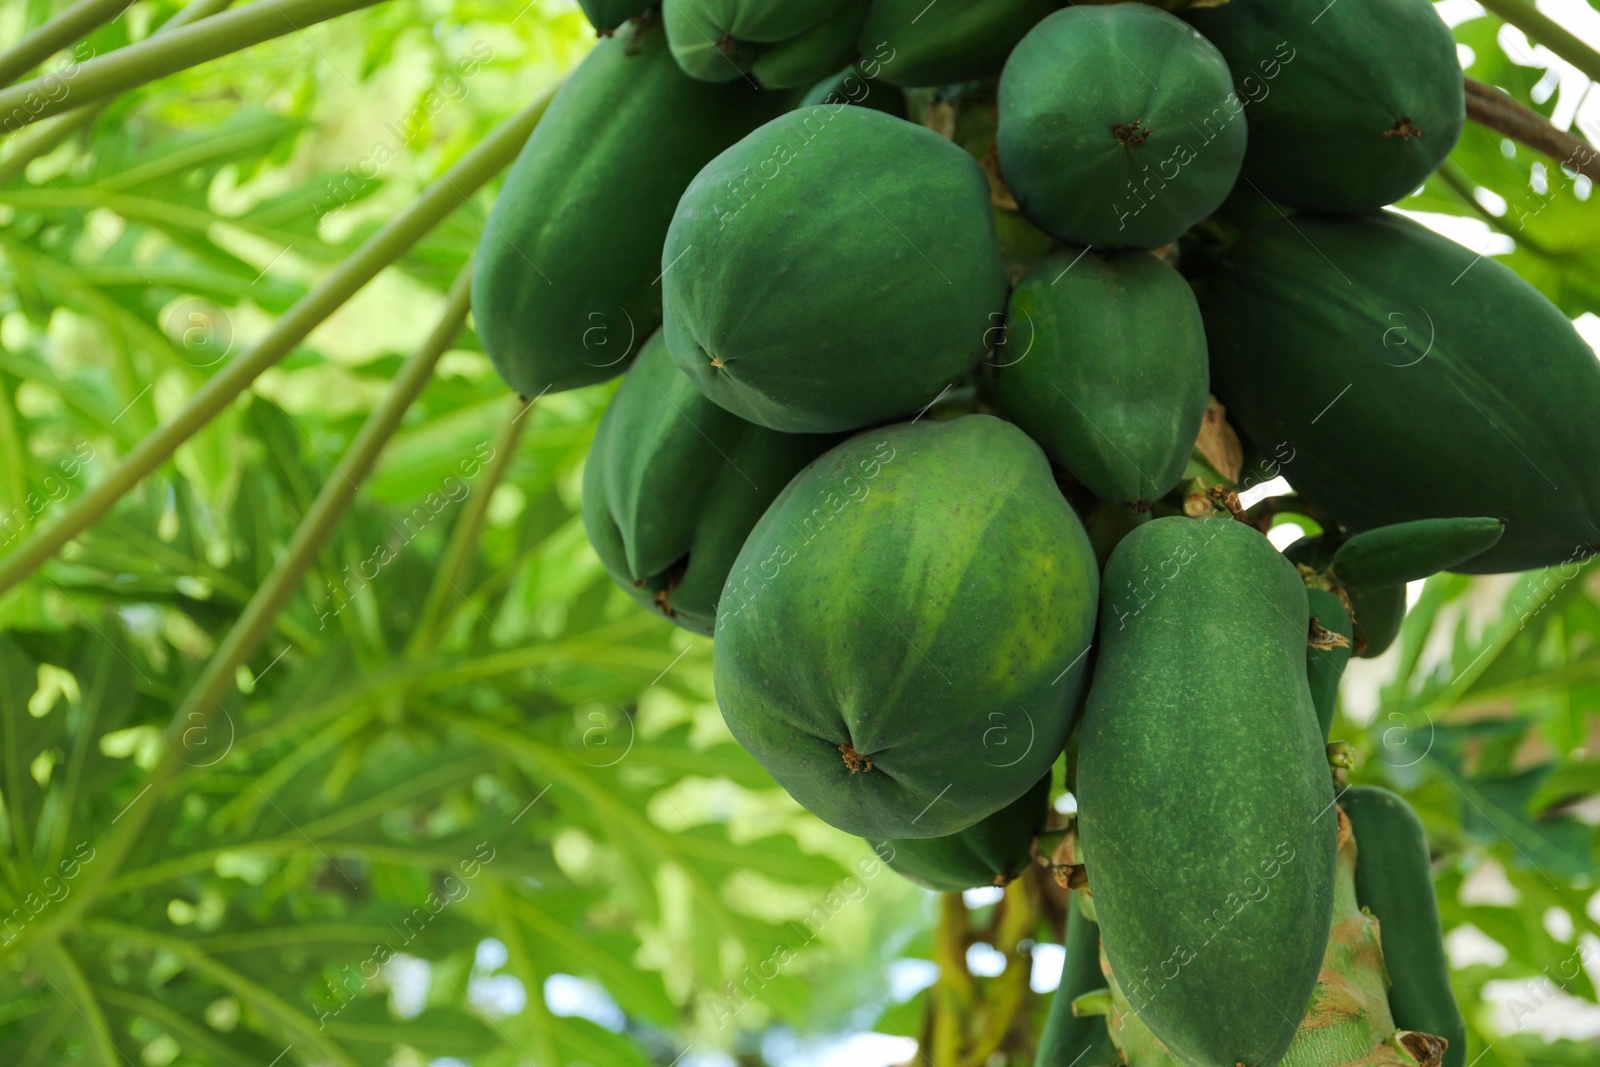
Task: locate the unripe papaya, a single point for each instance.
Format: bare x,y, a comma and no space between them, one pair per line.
1325,666
816,53
921,44
607,15
1412,551
901,642
563,289
1105,366
1394,881
835,268
850,86
990,852
1071,1040
1097,153
674,484
1413,378
1350,105
714,40
1200,729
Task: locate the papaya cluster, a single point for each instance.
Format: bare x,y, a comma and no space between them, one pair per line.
949,335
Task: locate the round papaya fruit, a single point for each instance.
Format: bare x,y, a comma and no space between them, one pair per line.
990,852
849,86
1412,379
1350,105
914,43
1394,881
901,641
719,40
835,268
607,15
1096,150
1200,728
802,60
1068,1039
1105,367
674,484
562,287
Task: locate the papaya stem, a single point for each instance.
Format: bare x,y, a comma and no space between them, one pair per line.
76,21
47,137
1542,29
255,622
388,244
1491,108
158,56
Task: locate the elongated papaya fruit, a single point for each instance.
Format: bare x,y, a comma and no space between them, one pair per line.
1394,881
1413,379
1350,105
835,268
1325,666
1200,727
1097,152
713,40
674,484
990,852
850,86
1411,551
920,44
607,15
563,289
1105,366
1068,1039
901,642
814,54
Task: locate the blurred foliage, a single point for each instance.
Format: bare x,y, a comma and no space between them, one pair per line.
467,802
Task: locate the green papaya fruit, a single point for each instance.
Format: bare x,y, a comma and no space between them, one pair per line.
1200,734
674,484
563,289
607,15
1068,1039
1394,881
835,268
1105,366
814,54
901,641
1376,611
1411,551
991,852
1350,106
1412,379
849,86
719,40
915,43
1325,666
1097,153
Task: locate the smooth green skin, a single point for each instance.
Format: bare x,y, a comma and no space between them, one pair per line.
924,594
991,852
1325,666
607,15
1394,881
714,40
1067,1039
814,54
1324,87
674,484
1200,728
1412,551
1085,70
1379,611
919,45
562,290
848,86
1464,391
1105,366
840,263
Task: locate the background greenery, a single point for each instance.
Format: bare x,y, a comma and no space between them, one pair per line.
466,804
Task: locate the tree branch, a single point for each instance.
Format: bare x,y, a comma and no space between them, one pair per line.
53,36
1491,108
1542,29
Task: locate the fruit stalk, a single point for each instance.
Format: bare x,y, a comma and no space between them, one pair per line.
1488,106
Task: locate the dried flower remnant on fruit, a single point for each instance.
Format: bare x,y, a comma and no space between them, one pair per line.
1404,129
857,763
1130,134
1324,639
